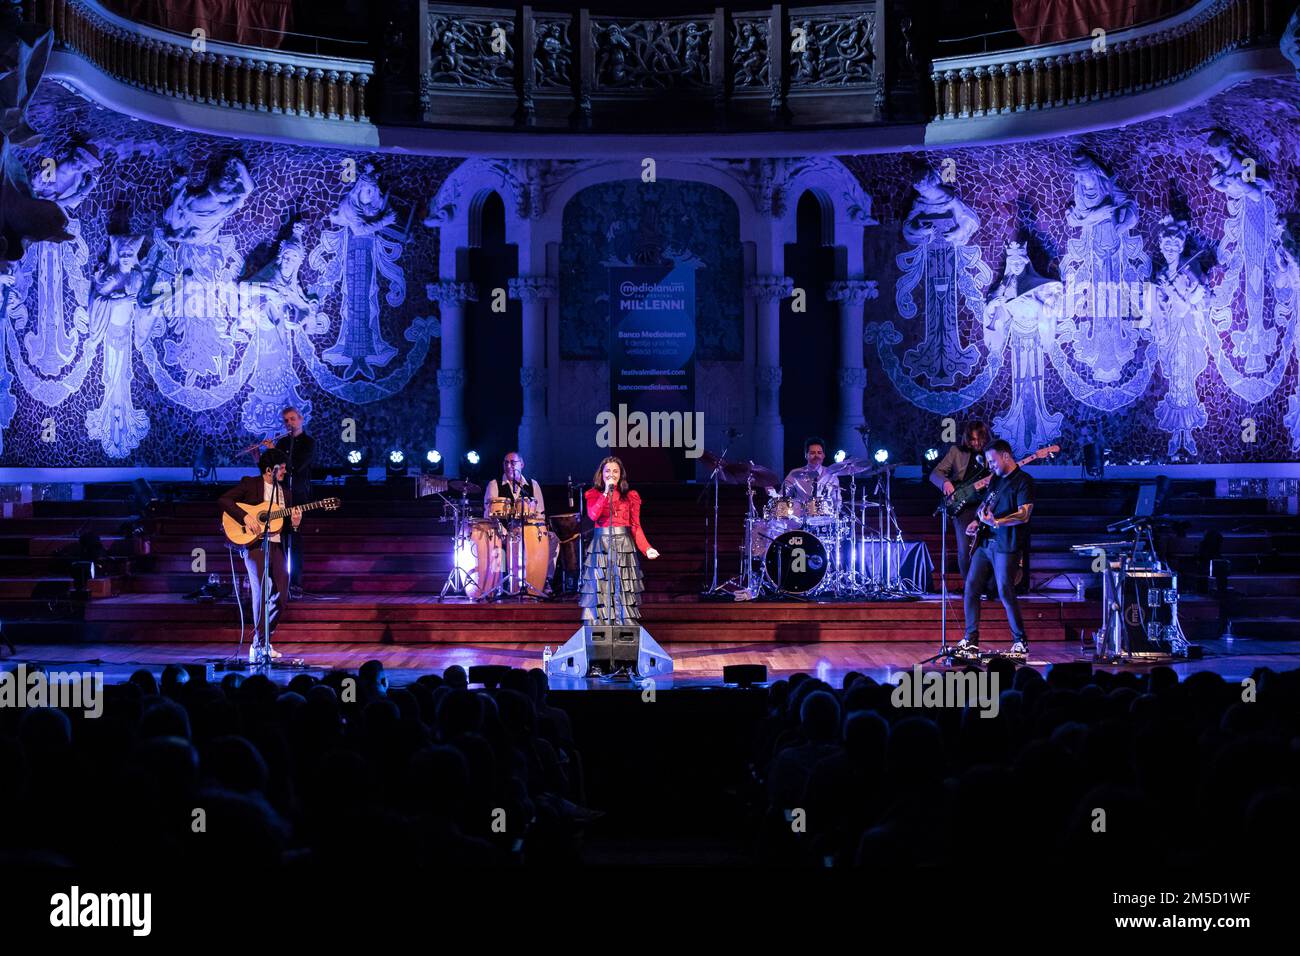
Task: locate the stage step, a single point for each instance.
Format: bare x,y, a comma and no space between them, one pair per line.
1264,628
56,588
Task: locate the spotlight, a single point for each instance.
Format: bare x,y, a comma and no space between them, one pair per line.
203,465
433,456
472,457
881,455
396,463
432,463
932,454
357,461
840,455
1094,464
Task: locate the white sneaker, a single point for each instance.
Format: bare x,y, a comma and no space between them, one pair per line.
1019,647
255,655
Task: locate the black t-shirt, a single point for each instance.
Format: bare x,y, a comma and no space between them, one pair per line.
301,451
1005,496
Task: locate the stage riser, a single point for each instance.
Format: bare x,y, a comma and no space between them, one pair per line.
555,635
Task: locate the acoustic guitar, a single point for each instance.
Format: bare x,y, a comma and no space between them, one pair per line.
236,534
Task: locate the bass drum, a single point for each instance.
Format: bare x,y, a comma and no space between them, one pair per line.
795,562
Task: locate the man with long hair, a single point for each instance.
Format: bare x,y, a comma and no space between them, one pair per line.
963,462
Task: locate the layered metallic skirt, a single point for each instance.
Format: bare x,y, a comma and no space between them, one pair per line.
611,579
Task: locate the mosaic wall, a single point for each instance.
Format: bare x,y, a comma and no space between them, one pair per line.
1156,311
1135,287
289,276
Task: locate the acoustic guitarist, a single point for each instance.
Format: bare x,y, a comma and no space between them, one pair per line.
268,488
998,536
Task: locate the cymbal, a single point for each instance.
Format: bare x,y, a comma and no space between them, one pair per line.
851,466
860,467
461,486
739,472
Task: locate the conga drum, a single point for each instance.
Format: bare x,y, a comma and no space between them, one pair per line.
540,548
566,528
484,558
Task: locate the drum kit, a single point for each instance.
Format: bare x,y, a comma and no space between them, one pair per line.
808,541
508,552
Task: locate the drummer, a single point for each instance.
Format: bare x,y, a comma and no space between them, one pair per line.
514,486
812,480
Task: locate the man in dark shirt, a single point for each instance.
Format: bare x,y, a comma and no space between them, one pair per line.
1003,523
961,463
300,450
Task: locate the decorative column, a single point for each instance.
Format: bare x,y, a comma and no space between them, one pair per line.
450,436
534,446
850,294
769,436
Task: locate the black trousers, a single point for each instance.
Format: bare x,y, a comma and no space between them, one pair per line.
293,553
986,563
959,523
279,585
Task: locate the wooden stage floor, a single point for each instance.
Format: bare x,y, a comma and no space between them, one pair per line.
411,619
697,664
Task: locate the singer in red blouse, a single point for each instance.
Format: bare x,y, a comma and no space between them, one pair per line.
611,576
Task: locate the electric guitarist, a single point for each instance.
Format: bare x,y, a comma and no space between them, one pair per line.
963,464
998,536
270,489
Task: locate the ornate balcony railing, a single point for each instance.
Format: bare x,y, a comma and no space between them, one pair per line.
205,71
838,64
776,66
1110,64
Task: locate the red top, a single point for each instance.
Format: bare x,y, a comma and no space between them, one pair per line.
627,513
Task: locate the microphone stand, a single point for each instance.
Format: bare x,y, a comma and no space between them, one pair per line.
717,472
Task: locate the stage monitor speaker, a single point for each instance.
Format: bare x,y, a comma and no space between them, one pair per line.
489,675
611,646
744,674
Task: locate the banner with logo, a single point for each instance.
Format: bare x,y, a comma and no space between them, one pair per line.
653,426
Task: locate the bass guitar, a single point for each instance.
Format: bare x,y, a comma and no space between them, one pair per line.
236,533
961,497
982,531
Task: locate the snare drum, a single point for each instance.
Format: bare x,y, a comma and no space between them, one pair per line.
501,508
784,507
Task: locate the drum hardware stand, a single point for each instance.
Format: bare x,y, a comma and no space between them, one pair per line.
459,578
715,477
744,581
